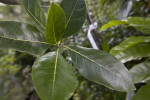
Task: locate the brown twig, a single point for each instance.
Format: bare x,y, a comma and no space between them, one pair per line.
11,2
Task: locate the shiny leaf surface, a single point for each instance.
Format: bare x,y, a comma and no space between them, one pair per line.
140,72
102,68
22,37
36,12
75,11
53,77
55,24
143,93
134,53
129,42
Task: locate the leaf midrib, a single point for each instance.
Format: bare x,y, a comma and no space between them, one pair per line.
71,13
25,40
55,69
92,60
32,15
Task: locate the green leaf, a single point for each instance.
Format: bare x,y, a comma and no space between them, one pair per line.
135,52
141,72
102,68
112,23
36,12
143,93
75,11
128,43
55,24
140,23
22,37
53,77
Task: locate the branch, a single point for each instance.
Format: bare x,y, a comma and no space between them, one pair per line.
11,2
95,36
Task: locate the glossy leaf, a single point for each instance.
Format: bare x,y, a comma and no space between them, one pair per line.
129,42
141,24
112,23
102,68
55,24
75,11
22,37
141,72
53,77
35,11
135,52
143,93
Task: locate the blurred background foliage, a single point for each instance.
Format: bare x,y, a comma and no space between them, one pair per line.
15,67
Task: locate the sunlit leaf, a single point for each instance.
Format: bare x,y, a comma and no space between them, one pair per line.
112,23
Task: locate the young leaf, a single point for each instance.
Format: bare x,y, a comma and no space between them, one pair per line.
112,23
22,37
36,12
53,77
143,93
141,72
140,24
55,24
128,43
75,11
102,68
134,53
